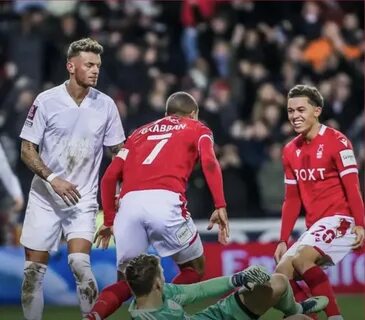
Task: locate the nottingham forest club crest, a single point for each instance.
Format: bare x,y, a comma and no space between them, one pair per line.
319,152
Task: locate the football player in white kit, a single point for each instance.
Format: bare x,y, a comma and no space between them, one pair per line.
62,143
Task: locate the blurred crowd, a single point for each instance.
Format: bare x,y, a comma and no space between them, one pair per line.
238,58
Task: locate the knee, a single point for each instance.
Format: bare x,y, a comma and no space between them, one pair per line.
300,264
285,268
33,278
79,264
279,283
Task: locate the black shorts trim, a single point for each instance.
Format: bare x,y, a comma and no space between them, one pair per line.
244,308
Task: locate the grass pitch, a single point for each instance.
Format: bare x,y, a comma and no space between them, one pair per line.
352,307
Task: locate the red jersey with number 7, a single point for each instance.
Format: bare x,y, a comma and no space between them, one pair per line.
162,154
317,168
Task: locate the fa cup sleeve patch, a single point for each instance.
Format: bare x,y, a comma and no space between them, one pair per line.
32,111
348,158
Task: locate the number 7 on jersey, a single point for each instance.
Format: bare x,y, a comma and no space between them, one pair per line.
162,140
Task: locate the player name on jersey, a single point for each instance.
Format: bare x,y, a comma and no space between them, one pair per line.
163,128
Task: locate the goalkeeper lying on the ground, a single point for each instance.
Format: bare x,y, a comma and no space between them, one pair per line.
257,292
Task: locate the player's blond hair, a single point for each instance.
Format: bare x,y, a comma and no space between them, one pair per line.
181,103
84,45
312,93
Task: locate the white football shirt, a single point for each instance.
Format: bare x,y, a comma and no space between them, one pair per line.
71,137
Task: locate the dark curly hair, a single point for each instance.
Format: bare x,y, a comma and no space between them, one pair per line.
141,273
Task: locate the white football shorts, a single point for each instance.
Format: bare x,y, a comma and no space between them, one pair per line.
330,236
44,223
158,218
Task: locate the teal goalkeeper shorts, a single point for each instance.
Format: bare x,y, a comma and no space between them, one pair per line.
230,308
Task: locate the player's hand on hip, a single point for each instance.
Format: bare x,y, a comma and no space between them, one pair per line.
359,241
219,216
103,236
280,251
66,190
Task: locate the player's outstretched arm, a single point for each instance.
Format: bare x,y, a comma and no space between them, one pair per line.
212,171
213,175
219,217
289,215
66,190
190,293
353,195
246,280
348,171
109,181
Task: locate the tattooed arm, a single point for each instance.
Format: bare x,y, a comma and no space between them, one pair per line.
30,156
115,149
65,189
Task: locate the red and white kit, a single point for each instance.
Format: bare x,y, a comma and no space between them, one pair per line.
322,176
155,165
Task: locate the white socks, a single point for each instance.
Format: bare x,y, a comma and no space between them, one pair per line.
32,290
335,318
87,289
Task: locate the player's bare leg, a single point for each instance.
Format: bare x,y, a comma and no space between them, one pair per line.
79,262
191,271
191,262
285,266
111,297
278,294
306,262
32,288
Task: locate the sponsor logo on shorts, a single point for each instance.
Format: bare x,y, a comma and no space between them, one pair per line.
184,234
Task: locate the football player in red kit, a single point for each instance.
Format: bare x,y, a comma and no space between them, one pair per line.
154,167
321,175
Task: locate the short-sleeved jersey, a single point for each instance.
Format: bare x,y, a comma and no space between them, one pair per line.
71,137
317,168
162,154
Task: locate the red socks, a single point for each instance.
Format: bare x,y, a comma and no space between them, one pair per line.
319,285
111,298
300,295
186,276
298,291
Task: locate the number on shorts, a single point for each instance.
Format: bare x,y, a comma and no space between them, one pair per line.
320,229
163,138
